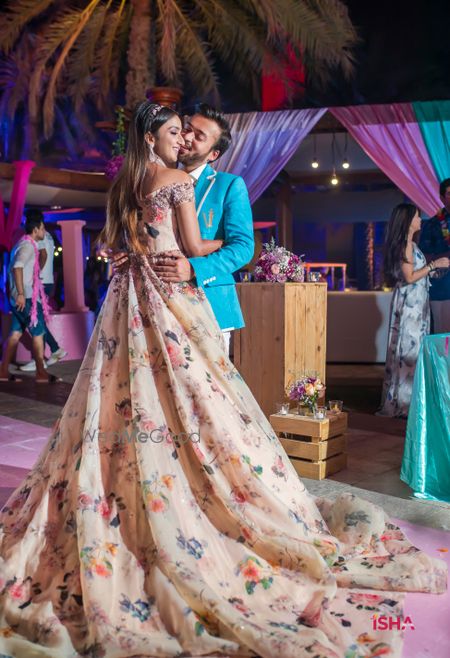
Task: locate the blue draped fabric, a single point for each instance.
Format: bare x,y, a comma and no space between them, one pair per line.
434,121
426,459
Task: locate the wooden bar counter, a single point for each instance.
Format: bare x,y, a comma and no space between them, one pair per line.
284,336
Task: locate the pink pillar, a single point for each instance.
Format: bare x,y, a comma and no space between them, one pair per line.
72,244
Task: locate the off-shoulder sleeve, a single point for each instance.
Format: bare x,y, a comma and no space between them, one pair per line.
182,193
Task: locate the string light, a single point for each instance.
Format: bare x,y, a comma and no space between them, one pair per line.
59,248
345,162
334,179
315,162
56,253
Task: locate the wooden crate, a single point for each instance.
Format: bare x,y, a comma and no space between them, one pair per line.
284,337
309,427
315,451
316,448
321,469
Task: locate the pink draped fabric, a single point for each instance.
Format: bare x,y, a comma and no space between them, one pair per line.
10,223
263,142
391,136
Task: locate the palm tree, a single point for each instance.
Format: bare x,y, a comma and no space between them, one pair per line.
80,51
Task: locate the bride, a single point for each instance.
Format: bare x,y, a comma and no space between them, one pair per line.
163,518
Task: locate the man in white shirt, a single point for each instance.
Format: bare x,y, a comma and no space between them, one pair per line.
46,248
21,285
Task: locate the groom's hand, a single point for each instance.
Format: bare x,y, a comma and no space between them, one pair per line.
173,267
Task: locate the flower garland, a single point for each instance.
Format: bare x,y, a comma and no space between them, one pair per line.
442,217
38,288
119,146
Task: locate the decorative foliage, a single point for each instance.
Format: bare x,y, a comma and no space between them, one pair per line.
81,46
278,265
119,145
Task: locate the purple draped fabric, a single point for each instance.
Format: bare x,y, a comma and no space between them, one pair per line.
391,136
263,142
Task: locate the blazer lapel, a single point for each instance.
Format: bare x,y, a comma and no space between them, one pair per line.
204,185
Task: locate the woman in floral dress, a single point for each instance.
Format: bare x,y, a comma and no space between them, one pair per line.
407,271
163,518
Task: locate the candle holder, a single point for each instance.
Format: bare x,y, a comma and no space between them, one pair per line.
282,408
314,277
320,413
335,406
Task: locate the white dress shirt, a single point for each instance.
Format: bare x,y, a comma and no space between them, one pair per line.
49,245
196,173
22,255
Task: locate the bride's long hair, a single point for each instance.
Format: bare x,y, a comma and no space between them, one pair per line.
126,191
396,240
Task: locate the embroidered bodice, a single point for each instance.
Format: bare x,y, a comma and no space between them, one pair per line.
159,223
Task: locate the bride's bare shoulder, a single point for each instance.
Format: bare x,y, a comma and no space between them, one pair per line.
161,177
175,176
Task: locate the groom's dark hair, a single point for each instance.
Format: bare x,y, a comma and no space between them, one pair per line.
33,219
210,112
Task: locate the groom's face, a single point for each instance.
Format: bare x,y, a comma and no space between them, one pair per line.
200,136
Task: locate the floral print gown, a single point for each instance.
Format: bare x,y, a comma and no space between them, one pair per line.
410,322
164,519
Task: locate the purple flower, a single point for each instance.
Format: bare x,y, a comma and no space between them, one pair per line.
278,265
113,166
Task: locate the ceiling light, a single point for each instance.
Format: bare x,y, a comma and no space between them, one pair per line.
345,164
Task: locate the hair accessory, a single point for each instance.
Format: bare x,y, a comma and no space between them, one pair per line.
156,110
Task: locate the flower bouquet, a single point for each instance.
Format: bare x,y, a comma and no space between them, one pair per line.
306,392
278,265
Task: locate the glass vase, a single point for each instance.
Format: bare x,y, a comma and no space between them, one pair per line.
304,409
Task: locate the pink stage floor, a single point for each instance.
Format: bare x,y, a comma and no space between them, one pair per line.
21,443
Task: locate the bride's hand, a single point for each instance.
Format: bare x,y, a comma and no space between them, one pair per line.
118,259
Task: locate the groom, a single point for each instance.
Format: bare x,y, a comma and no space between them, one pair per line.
224,212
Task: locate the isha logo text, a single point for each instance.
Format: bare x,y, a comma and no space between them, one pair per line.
383,623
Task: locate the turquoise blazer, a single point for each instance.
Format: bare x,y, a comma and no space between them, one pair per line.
224,213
